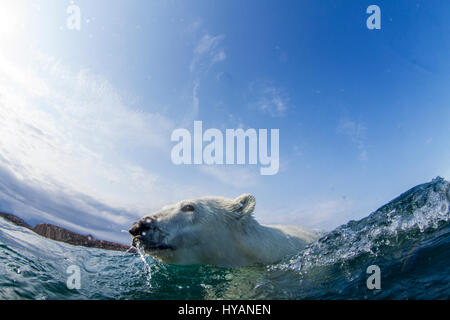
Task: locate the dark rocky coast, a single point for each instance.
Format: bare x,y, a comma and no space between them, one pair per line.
56,233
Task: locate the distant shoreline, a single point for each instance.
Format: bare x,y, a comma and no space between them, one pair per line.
56,233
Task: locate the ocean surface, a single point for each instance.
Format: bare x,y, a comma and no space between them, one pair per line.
408,238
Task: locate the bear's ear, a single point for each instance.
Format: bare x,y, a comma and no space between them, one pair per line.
244,205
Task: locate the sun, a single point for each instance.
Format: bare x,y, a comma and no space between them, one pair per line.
13,19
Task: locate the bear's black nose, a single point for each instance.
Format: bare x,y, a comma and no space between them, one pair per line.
141,226
136,229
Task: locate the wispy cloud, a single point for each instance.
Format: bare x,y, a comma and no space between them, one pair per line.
325,215
208,52
36,202
195,99
237,177
194,26
357,133
269,99
79,122
330,213
70,145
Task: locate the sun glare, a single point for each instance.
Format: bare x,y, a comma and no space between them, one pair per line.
12,20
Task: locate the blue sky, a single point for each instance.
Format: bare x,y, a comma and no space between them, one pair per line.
86,116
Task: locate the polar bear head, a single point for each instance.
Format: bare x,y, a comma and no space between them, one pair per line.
200,231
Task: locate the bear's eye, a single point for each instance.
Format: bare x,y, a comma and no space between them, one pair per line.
187,208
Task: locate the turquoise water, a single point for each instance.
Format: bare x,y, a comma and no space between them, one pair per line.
409,239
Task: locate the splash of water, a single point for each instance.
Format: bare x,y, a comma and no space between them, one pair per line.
147,265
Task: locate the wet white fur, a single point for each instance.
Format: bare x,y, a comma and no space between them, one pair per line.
223,232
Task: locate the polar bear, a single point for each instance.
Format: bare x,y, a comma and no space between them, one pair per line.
216,231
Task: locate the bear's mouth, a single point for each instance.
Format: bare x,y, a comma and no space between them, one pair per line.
141,242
